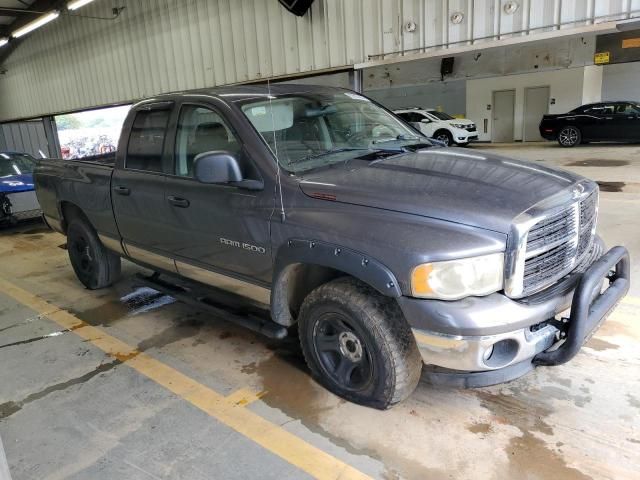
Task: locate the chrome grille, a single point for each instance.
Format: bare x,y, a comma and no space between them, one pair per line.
556,243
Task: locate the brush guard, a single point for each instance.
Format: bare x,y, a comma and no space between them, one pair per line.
590,305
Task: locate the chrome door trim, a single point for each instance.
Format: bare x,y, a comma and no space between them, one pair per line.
112,244
150,258
225,282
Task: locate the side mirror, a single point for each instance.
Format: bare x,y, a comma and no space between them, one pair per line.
425,120
217,167
222,167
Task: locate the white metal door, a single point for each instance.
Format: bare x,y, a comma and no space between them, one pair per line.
503,109
536,104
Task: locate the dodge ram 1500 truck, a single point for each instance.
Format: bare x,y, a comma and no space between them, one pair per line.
386,251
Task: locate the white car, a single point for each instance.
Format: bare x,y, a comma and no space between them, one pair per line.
439,125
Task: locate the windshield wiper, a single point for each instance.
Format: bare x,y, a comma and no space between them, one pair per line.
335,150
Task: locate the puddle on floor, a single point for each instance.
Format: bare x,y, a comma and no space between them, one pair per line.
600,345
597,162
289,388
529,456
141,300
611,186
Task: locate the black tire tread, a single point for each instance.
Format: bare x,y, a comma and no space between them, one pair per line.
109,264
389,327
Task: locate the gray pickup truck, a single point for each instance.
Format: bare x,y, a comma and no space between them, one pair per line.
388,253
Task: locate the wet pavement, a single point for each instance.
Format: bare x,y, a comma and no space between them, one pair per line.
69,410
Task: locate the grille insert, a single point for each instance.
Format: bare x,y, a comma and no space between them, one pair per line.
556,244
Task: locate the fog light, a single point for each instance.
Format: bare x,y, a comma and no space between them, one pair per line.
501,353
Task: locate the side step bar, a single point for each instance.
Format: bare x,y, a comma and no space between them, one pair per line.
226,306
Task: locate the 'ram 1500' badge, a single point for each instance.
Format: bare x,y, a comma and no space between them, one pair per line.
244,246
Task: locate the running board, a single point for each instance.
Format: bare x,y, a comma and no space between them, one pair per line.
250,318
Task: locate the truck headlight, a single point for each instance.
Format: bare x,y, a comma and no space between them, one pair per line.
455,279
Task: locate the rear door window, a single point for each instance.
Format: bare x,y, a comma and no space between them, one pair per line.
601,109
146,142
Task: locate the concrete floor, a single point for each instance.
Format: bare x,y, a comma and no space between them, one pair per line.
183,395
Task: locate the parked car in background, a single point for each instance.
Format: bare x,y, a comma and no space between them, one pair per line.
603,121
17,195
440,125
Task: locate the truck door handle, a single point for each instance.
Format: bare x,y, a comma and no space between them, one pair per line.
121,190
178,202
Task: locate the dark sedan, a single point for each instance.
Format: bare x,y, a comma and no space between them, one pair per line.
604,121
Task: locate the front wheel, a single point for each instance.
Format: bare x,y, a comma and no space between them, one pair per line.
569,136
95,266
358,344
444,137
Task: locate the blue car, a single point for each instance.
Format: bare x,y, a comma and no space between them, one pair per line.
17,196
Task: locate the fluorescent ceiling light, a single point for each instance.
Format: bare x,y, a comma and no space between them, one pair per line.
77,4
3,41
37,23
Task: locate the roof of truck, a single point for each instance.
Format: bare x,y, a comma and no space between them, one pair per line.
250,90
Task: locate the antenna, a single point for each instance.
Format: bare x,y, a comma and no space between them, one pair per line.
275,148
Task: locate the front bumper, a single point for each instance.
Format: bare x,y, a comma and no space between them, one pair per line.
464,136
490,333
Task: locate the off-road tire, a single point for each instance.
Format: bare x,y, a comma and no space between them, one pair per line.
569,136
95,266
445,137
385,337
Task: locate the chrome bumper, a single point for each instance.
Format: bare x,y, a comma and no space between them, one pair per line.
483,353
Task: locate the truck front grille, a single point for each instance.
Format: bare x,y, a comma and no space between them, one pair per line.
556,244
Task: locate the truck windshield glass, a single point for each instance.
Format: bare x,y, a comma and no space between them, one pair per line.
16,164
313,130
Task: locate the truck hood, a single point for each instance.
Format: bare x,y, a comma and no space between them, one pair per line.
16,183
453,184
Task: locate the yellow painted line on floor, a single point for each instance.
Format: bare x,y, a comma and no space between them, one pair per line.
244,397
270,436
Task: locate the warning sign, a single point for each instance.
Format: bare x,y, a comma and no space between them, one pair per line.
601,58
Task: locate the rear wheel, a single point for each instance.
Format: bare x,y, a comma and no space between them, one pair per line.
95,266
569,136
358,344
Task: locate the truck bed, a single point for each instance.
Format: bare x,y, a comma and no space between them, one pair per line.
83,182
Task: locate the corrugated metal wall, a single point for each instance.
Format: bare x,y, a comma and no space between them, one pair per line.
163,45
28,137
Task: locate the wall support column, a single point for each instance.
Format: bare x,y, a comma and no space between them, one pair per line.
51,133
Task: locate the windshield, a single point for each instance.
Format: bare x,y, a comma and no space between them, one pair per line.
311,130
441,115
16,164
